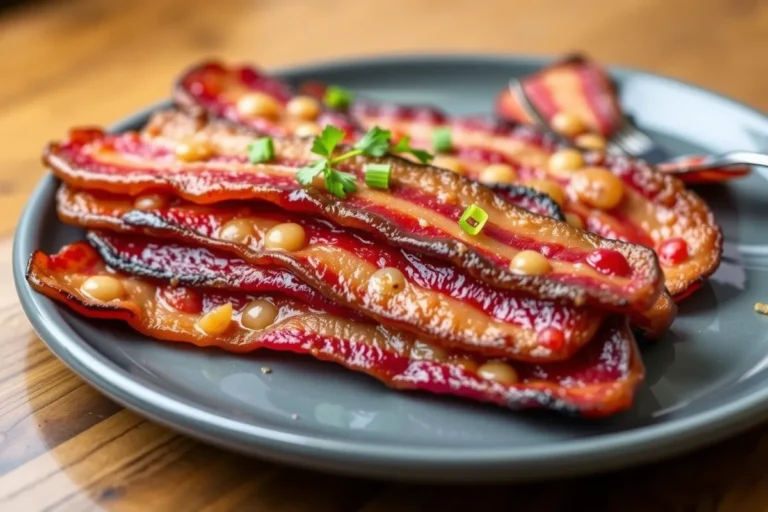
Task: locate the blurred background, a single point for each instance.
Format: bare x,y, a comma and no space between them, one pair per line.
65,62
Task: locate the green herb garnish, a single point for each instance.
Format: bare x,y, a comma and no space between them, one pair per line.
377,175
441,140
337,97
261,150
338,183
376,143
404,146
327,141
473,219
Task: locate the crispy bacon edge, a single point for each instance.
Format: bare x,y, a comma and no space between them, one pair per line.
390,364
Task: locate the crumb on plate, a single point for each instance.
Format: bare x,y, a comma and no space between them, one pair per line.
761,308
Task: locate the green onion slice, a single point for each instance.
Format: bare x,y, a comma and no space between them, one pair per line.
377,175
441,140
473,219
337,97
261,150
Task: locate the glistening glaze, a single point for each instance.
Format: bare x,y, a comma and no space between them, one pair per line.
439,300
599,381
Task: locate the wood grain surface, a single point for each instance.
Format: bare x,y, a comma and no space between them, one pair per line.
63,446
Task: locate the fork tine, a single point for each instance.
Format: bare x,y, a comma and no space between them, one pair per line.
516,87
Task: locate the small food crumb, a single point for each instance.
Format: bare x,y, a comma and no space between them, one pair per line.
174,282
266,369
761,308
294,416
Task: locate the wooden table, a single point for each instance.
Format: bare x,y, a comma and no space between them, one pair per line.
63,446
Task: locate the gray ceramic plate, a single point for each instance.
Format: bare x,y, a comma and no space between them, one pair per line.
708,377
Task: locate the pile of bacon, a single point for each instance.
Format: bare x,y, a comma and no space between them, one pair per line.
199,231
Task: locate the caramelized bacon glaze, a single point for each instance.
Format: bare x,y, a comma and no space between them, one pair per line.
438,300
213,89
600,380
654,207
419,212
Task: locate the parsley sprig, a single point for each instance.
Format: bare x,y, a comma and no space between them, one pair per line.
404,146
376,143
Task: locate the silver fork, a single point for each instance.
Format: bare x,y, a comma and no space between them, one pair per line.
637,143
516,87
723,161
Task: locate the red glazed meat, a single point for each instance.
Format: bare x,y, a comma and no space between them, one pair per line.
600,380
644,207
613,197
419,212
577,86
435,300
574,85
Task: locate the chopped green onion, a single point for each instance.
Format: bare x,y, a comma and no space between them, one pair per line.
337,97
473,219
261,150
441,140
377,175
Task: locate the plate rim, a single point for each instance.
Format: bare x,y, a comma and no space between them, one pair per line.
469,465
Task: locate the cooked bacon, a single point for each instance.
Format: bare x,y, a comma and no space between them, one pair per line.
213,89
600,380
655,206
531,199
191,266
439,301
655,209
164,260
580,86
419,212
575,85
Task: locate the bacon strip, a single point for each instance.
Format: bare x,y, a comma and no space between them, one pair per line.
580,86
656,208
600,380
439,301
162,260
575,85
419,212
211,88
190,266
